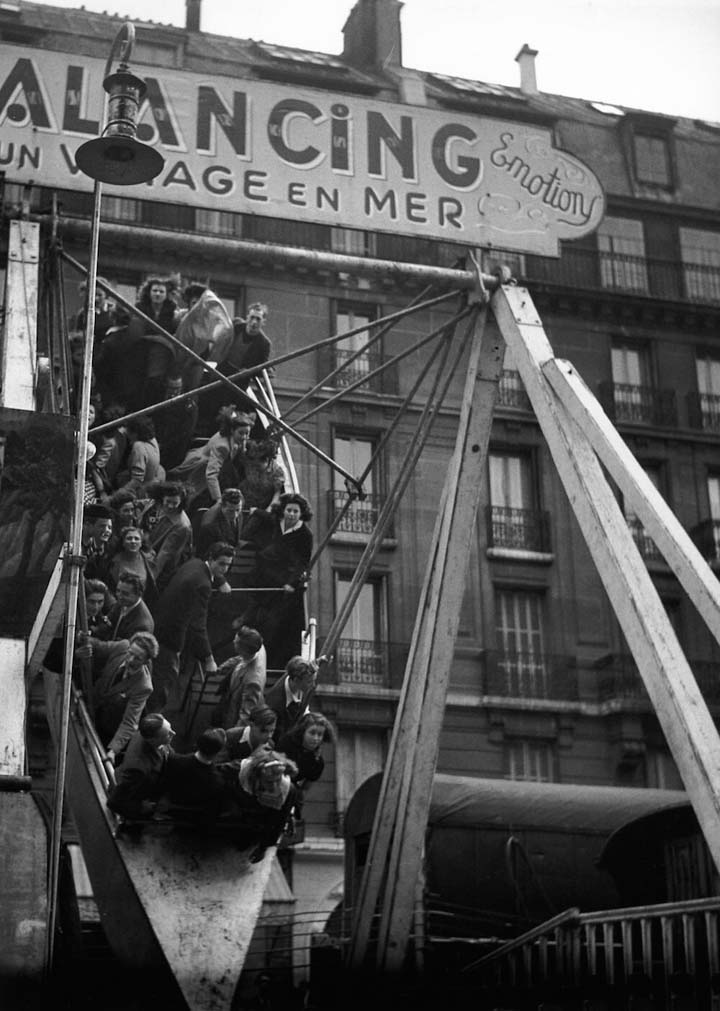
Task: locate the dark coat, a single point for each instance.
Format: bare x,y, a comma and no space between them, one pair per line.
287,715
137,619
139,779
119,703
182,612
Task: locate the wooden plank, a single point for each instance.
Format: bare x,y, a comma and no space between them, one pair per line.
671,538
680,707
19,352
416,739
13,708
49,617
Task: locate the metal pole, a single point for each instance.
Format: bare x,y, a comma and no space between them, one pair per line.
74,581
125,37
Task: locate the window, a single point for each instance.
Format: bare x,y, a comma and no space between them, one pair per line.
530,760
646,545
511,392
652,160
348,317
354,454
218,222
708,380
515,521
121,209
361,655
519,617
631,383
700,254
622,254
352,241
713,488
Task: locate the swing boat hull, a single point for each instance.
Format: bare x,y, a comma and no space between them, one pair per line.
178,907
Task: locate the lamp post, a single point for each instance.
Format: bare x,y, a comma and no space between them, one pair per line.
115,157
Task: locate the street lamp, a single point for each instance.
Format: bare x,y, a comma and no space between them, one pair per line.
115,157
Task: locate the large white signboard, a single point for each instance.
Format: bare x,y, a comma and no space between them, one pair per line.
308,155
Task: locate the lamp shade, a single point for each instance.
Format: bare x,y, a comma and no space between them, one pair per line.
119,160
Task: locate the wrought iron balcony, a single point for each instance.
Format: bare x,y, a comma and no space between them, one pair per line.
598,270
518,529
645,544
530,676
359,368
620,680
706,537
361,517
511,392
370,662
704,411
640,405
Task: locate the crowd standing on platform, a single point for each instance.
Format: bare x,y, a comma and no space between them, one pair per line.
172,520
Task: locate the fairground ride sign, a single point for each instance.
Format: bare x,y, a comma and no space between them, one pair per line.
306,155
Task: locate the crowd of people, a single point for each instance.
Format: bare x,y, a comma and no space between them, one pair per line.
171,521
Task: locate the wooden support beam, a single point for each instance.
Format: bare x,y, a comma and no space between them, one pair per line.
695,575
49,617
19,351
679,705
395,857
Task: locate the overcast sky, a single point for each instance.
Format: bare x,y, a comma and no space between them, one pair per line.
658,55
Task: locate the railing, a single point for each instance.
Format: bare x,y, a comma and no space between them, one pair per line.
530,676
576,268
645,544
362,515
369,662
360,367
594,270
706,536
642,405
511,392
663,956
518,529
619,679
704,411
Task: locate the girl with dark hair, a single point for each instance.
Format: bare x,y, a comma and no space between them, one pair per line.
284,544
155,302
166,531
303,743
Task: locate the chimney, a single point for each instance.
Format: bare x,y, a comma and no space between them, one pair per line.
372,34
526,59
192,15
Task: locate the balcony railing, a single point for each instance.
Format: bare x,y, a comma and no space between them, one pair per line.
641,405
645,544
704,411
706,537
620,680
518,529
367,662
530,676
359,368
594,270
361,517
511,392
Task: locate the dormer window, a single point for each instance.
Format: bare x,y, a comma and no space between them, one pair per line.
652,160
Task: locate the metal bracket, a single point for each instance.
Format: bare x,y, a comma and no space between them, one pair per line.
478,295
